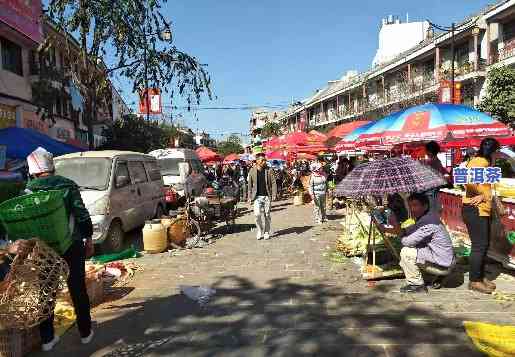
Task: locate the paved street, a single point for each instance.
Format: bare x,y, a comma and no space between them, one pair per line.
281,297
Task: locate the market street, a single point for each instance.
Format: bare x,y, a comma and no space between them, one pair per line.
281,297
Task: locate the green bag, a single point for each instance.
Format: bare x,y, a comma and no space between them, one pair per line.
38,215
106,258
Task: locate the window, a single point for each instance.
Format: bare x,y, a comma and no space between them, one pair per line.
122,171
33,62
11,56
169,167
87,172
508,31
58,107
153,170
137,172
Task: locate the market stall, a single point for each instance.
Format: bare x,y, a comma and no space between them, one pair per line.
370,186
207,155
502,243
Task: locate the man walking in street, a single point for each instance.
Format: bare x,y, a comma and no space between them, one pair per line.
262,190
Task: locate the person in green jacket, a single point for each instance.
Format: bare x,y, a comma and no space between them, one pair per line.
41,169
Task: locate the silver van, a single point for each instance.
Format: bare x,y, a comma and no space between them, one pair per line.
120,189
168,161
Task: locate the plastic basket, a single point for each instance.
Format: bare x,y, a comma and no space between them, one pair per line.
42,215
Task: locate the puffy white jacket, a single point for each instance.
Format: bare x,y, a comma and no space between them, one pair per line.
317,184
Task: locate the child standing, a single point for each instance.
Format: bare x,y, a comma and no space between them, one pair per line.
318,192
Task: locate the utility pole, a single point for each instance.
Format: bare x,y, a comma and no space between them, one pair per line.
453,56
452,31
147,101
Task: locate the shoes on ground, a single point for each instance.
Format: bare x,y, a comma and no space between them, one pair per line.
490,284
49,346
86,340
267,236
259,237
409,288
480,287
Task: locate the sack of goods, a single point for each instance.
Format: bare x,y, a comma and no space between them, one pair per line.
42,215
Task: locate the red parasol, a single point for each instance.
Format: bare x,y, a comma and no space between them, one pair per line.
465,143
305,156
207,155
318,136
439,122
276,155
231,158
346,128
274,143
509,141
305,143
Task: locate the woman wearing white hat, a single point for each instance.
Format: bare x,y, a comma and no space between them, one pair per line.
41,169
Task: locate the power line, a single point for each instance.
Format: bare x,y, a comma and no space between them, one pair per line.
243,107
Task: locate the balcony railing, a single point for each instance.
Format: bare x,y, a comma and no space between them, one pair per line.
462,69
504,53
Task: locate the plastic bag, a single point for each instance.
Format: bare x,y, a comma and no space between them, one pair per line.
511,238
492,340
200,294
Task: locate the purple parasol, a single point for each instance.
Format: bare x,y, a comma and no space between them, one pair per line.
396,175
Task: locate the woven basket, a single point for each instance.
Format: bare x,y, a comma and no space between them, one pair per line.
11,343
28,293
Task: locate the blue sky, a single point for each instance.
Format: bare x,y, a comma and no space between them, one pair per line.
269,51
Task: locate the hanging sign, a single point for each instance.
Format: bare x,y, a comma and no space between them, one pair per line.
7,116
150,101
445,92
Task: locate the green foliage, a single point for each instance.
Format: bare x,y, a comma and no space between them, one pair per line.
271,129
125,38
500,97
231,145
134,133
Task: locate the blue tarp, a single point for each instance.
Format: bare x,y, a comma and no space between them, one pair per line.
21,142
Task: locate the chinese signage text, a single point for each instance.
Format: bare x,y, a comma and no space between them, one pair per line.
477,175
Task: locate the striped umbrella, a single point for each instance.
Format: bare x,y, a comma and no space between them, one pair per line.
396,175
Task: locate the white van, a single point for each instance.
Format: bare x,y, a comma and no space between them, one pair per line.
120,189
168,161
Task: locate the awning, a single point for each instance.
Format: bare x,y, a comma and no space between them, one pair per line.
21,142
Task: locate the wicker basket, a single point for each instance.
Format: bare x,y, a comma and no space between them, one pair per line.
28,293
11,343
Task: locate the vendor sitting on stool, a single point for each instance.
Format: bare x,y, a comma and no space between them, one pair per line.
427,245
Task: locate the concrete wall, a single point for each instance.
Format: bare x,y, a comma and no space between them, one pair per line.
398,37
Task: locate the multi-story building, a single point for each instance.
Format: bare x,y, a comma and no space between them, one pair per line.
259,118
204,139
20,34
22,30
415,76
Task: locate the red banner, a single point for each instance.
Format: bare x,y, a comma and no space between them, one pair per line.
24,16
445,92
150,101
